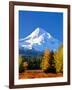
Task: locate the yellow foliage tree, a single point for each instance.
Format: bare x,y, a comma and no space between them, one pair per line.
59,59
44,64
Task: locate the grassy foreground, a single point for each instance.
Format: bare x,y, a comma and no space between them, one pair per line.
29,74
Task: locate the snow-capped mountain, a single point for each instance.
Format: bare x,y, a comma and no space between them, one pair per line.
39,40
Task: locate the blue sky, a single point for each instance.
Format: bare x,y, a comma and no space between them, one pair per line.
52,22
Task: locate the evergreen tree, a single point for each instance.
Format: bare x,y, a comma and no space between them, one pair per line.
52,67
21,67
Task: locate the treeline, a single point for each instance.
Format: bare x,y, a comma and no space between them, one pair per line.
29,62
49,61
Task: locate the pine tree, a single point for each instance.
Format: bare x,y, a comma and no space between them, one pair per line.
44,64
52,67
21,67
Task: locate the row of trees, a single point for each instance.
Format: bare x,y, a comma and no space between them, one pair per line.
29,62
48,61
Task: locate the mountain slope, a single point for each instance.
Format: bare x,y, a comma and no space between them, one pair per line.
39,40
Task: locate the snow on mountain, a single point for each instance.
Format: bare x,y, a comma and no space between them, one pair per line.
39,40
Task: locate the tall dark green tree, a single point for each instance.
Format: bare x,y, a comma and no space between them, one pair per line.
52,65
21,67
